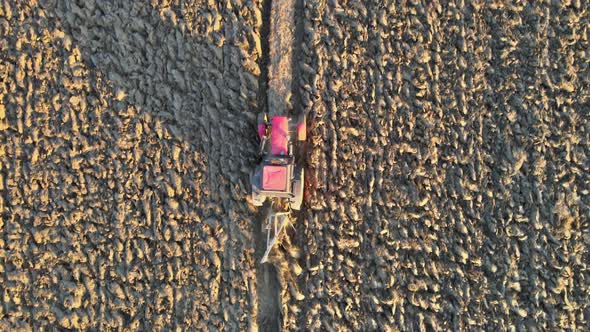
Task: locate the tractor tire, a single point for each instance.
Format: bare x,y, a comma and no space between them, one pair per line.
261,125
301,129
298,185
257,199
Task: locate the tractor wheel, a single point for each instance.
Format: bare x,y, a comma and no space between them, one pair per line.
298,190
301,129
257,199
261,125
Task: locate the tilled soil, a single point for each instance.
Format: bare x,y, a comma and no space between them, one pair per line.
450,166
447,175
127,143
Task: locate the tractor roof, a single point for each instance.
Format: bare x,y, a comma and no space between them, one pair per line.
274,177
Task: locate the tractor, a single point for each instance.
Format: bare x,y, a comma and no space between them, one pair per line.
280,176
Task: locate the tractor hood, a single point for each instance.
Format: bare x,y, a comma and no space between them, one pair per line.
279,139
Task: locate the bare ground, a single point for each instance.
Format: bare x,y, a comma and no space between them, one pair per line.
448,183
449,169
124,193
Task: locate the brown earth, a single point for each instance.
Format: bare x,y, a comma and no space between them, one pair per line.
127,146
449,166
447,172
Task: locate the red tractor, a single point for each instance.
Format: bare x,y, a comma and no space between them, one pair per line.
279,176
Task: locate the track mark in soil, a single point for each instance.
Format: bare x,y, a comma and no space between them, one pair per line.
298,233
295,63
264,57
268,287
279,85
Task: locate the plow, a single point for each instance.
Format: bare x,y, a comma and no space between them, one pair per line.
279,177
274,225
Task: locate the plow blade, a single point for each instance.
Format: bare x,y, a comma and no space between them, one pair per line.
274,225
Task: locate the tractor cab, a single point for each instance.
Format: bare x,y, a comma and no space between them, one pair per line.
275,178
277,175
